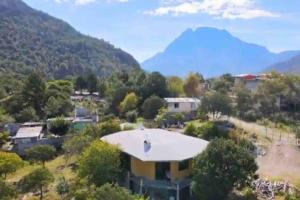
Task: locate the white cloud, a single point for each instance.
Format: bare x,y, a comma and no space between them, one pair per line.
227,9
85,2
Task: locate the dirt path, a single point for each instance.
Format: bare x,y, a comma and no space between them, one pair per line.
282,158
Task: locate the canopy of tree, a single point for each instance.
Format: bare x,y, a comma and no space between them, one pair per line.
9,163
99,163
220,168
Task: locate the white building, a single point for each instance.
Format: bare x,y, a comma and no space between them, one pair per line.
28,134
184,105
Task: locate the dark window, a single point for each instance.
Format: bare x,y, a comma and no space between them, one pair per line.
183,165
162,171
176,105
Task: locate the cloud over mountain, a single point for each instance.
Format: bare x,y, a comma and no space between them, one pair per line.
227,9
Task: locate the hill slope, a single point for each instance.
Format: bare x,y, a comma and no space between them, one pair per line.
212,52
31,39
291,66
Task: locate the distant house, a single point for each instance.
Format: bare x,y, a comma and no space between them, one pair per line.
251,81
159,161
183,105
84,95
28,134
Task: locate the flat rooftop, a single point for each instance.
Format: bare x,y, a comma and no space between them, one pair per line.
157,144
28,132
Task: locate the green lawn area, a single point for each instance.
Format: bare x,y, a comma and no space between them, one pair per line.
58,169
196,122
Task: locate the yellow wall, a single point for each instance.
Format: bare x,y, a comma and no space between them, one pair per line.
178,175
144,169
147,169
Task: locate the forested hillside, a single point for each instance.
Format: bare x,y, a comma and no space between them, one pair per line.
31,39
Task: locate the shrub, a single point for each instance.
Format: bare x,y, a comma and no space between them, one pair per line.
151,106
209,131
191,130
131,116
59,126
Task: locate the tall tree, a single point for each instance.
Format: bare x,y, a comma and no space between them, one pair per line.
220,168
151,106
80,83
38,180
175,86
155,84
34,93
41,153
9,163
7,192
191,85
129,102
92,83
99,163
216,103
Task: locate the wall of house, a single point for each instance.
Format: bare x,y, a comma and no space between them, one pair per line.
179,175
183,107
144,169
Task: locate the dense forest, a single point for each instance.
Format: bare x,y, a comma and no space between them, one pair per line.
31,39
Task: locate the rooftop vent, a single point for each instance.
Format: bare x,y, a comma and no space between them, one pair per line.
147,145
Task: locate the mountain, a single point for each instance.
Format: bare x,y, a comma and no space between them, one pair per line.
291,66
212,52
30,39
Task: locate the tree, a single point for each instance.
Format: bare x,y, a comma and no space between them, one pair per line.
76,144
175,86
216,103
155,84
38,180
223,84
108,127
113,192
7,192
151,106
9,163
34,93
191,130
4,137
129,103
92,83
99,163
62,188
59,126
244,101
80,83
27,114
191,85
220,168
41,153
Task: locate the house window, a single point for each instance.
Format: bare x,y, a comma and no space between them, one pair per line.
193,105
183,165
176,105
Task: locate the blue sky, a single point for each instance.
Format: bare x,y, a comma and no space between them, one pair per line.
145,27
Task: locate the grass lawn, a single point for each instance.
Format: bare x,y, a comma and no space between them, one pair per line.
57,168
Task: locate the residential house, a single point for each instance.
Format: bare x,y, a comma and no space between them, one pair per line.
251,81
159,161
182,105
28,134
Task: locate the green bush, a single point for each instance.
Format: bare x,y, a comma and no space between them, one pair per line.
209,131
59,126
131,116
191,130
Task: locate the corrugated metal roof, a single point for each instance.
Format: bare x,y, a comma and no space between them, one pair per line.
182,100
28,132
157,144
